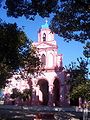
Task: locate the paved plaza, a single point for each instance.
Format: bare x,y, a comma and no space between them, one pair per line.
11,112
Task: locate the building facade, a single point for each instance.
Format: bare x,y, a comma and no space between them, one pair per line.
49,87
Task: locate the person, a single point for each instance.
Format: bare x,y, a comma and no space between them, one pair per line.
85,110
80,104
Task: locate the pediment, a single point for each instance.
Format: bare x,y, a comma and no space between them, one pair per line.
44,45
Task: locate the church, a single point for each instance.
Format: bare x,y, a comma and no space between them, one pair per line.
49,87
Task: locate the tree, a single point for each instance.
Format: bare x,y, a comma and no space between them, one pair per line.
16,52
30,8
31,60
71,17
77,73
71,20
82,90
10,43
86,51
78,79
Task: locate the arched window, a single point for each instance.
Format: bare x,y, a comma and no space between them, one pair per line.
44,37
43,60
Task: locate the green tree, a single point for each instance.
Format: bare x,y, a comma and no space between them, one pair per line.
30,61
16,51
82,90
78,79
30,8
71,18
10,43
86,51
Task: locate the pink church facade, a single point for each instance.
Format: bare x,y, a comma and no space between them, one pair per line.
49,87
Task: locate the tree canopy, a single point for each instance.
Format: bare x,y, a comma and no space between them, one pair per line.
16,51
86,51
71,18
82,90
30,8
78,80
11,39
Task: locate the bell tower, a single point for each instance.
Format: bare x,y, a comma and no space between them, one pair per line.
45,34
48,49
52,76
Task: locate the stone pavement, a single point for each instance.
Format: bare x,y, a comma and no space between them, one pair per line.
39,113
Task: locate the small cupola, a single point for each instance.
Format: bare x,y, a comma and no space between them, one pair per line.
45,34
45,25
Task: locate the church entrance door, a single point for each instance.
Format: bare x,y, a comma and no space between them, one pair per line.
44,91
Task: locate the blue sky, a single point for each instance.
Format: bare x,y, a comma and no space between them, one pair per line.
71,51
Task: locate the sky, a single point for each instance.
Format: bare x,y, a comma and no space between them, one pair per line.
71,51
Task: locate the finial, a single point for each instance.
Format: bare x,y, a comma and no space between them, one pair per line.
46,21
